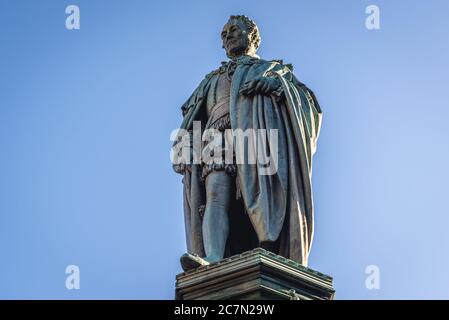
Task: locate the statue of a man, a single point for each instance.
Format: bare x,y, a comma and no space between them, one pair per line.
232,207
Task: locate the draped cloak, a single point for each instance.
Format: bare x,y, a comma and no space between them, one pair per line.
277,207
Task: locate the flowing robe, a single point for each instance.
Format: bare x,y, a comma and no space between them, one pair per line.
279,207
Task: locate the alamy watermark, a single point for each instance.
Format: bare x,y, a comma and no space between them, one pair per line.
231,146
73,21
372,21
372,281
73,279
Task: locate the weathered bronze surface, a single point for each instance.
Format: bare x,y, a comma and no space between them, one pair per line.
231,208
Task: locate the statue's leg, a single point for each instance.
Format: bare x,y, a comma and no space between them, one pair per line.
219,190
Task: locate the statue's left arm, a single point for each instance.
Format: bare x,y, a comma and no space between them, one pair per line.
298,94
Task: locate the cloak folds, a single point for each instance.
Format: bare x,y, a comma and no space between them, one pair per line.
278,207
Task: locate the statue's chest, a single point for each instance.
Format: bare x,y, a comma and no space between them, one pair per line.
219,92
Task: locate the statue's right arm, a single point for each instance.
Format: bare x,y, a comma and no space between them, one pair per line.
187,108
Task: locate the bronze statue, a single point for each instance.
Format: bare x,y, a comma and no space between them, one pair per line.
232,207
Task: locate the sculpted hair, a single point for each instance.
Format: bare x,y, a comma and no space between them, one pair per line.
252,29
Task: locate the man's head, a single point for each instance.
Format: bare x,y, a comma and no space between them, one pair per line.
240,35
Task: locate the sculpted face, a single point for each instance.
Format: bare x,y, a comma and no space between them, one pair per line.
235,38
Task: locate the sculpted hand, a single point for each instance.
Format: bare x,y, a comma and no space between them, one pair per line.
261,85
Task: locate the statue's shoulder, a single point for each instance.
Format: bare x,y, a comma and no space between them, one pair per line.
221,69
211,74
280,63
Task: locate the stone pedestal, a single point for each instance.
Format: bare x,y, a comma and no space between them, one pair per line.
256,274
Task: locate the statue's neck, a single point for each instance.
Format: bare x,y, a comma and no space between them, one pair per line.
247,52
249,55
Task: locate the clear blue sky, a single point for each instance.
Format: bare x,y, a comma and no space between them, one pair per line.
85,119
